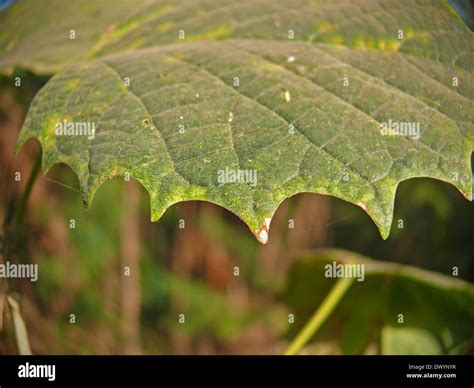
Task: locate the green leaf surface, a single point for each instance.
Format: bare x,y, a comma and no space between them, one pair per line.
437,310
409,341
292,120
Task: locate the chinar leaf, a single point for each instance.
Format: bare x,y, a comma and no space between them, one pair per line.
246,104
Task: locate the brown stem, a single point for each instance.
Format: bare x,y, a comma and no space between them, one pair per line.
130,285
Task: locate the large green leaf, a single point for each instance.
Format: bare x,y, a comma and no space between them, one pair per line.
292,118
437,310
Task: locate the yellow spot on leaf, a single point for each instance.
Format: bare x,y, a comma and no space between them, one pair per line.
165,27
336,39
219,32
115,32
325,27
261,64
381,43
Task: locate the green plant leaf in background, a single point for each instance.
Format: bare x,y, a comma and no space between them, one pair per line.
409,341
295,96
437,310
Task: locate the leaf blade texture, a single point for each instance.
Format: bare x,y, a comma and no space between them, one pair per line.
292,99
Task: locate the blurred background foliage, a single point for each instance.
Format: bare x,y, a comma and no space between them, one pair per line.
200,283
396,309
